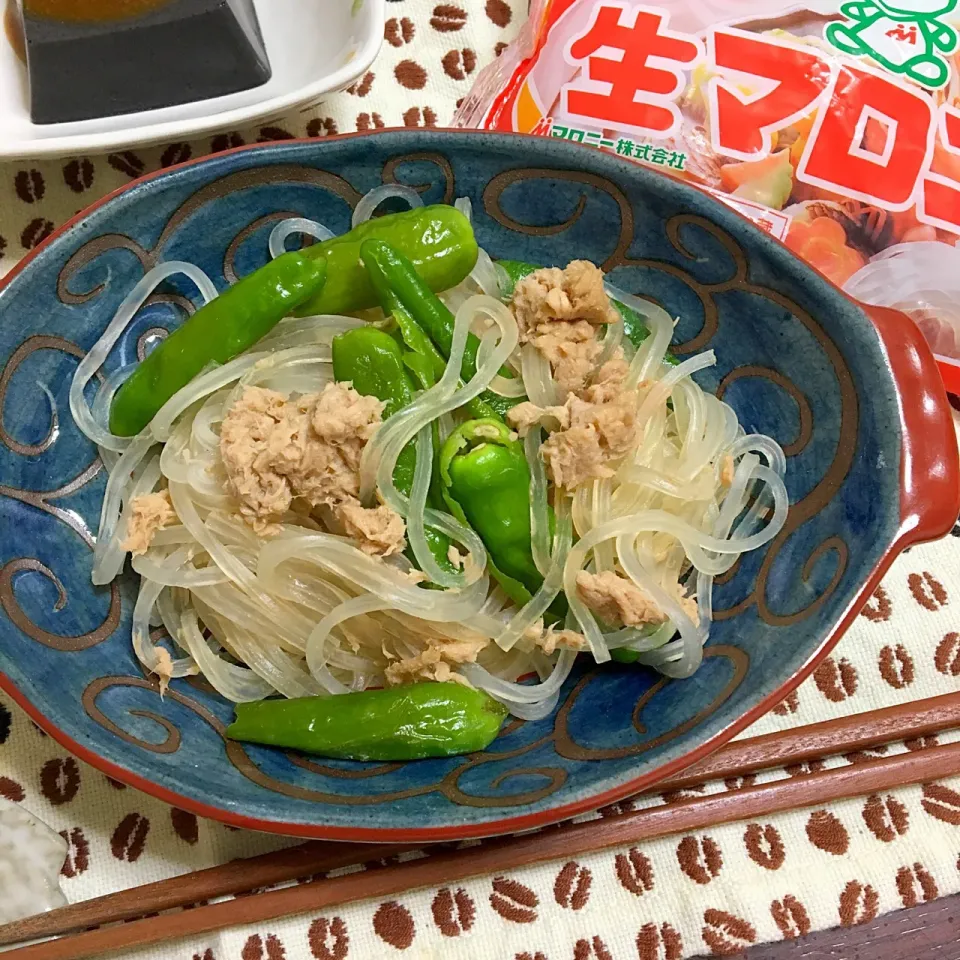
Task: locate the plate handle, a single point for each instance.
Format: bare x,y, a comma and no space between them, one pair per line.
930,469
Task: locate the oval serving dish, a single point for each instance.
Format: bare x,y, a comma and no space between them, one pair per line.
853,397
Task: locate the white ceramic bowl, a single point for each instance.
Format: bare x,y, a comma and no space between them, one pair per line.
316,47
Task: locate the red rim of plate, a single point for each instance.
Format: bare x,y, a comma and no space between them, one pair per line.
921,520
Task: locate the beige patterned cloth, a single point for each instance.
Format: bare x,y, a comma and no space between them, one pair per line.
712,892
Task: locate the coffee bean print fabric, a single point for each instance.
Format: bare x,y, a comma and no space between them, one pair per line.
717,890
454,911
769,881
904,646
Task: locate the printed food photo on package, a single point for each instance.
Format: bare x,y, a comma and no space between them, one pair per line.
833,126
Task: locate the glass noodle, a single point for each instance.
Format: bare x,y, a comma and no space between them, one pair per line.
304,611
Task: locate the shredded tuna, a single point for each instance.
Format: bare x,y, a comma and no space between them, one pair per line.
164,668
341,421
608,381
590,430
275,450
346,418
574,293
249,449
551,639
455,557
534,631
572,349
617,600
435,662
596,435
559,311
524,415
380,531
727,470
149,513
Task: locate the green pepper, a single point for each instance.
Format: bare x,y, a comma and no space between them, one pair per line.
390,268
411,334
372,361
216,333
438,240
486,480
401,723
497,406
634,328
418,310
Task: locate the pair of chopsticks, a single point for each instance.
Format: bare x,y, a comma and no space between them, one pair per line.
508,853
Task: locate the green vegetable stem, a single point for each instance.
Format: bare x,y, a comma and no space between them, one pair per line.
405,295
216,333
486,482
400,723
373,362
438,240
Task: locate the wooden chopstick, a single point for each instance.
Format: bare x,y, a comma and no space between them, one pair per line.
228,879
905,721
846,734
510,853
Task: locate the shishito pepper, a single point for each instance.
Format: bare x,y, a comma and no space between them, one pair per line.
216,333
438,240
634,328
486,482
405,295
389,267
401,723
373,362
430,364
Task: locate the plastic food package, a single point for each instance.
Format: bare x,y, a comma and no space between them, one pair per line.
833,126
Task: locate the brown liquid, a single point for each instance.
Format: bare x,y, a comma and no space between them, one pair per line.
13,28
90,11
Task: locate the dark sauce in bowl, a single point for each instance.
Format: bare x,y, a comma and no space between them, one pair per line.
90,11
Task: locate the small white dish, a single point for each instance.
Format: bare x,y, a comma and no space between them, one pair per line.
316,47
31,855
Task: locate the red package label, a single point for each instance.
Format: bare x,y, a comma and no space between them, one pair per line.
833,126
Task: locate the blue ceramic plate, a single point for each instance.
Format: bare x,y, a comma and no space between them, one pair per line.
846,394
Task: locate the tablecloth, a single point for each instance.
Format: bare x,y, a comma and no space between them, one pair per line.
712,892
